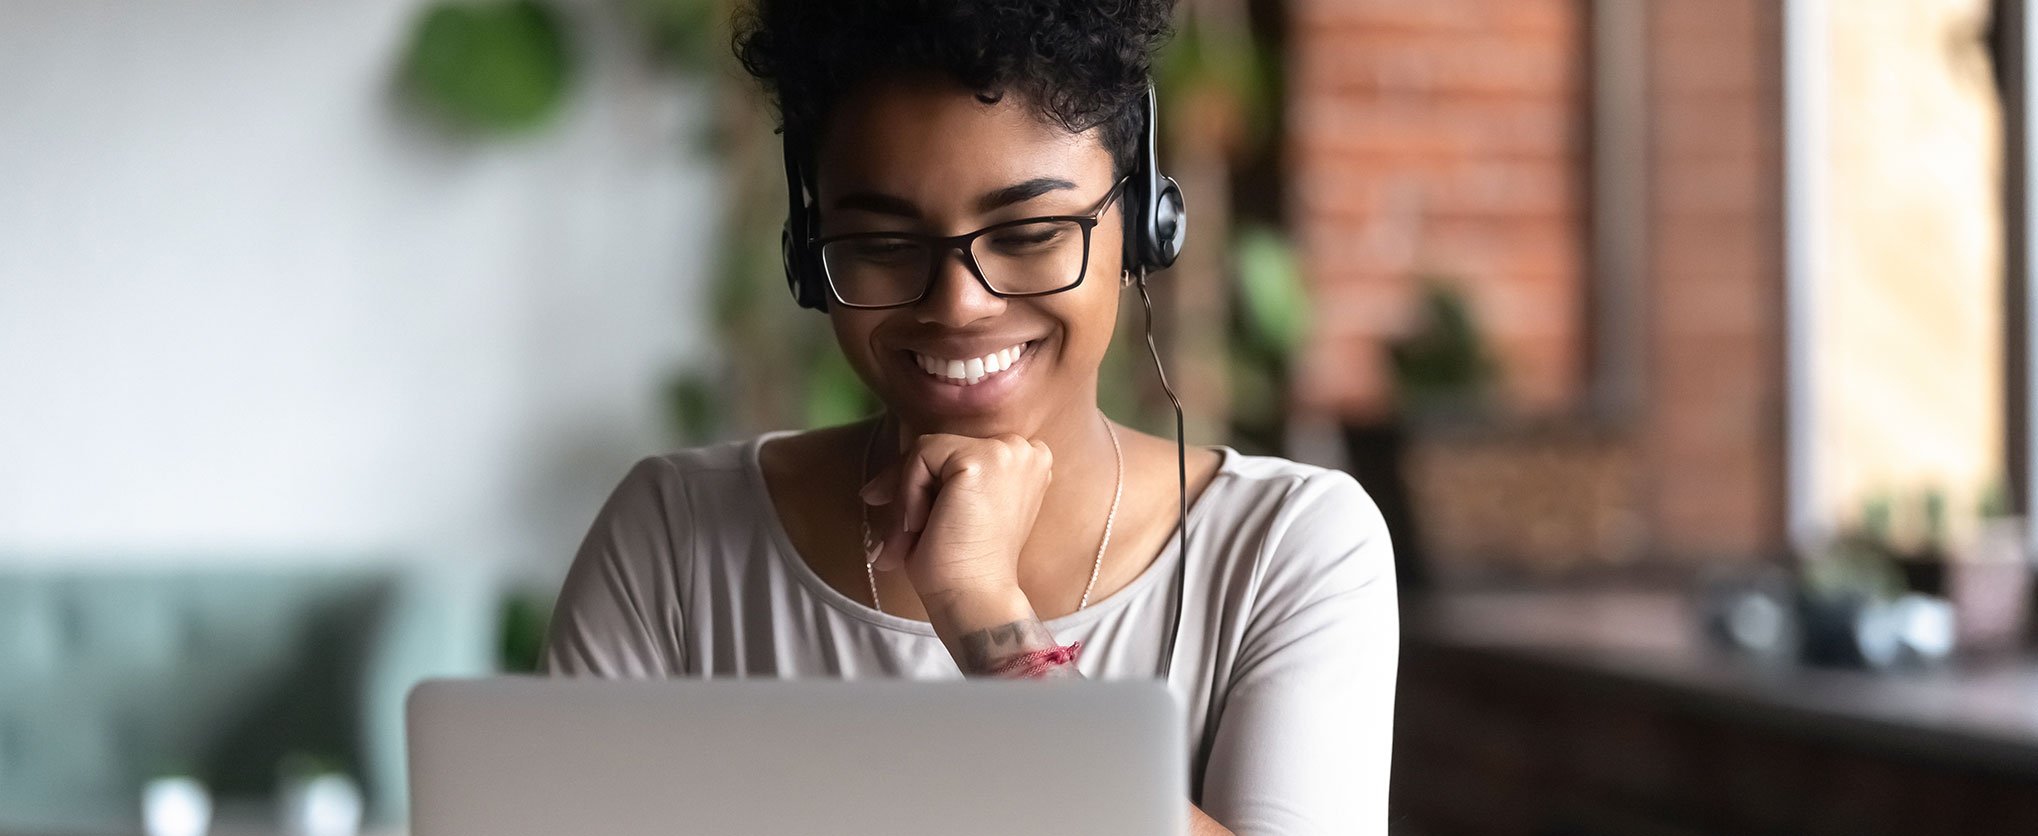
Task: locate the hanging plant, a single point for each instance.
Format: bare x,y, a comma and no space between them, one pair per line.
494,67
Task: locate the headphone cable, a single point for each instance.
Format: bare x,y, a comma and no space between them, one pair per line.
1181,483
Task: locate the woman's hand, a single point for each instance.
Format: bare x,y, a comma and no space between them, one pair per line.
954,511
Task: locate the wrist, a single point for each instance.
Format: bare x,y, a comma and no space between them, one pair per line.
962,611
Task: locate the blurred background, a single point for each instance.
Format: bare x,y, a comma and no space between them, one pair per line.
1685,344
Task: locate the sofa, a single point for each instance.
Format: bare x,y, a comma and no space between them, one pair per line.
113,674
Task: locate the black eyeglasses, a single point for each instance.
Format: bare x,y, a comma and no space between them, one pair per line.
1025,257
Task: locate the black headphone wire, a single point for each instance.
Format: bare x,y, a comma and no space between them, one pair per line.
1181,483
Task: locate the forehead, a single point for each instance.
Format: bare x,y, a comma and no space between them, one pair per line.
933,140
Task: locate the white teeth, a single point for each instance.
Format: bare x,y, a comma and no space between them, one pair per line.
972,370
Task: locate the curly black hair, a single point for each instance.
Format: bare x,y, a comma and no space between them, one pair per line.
1079,64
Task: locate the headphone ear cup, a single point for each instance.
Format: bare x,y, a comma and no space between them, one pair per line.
800,275
1170,225
1138,209
790,258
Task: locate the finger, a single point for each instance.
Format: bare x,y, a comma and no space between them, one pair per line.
918,484
883,523
877,491
897,546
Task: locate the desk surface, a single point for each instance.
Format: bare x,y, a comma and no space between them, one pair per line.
1983,714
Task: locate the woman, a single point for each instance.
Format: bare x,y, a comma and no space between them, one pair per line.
969,167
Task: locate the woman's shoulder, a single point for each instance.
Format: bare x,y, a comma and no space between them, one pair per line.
733,475
1289,486
706,481
1298,521
737,457
713,457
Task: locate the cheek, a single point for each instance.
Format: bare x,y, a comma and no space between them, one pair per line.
1095,313
853,335
1089,318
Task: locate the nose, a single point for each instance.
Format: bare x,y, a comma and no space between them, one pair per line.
955,297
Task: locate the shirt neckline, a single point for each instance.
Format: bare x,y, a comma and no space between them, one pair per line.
1161,566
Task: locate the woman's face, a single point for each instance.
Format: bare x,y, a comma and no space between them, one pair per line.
905,156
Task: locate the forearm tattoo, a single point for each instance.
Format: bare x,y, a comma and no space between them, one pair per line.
984,650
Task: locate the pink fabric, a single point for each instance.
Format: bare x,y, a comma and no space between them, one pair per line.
1037,663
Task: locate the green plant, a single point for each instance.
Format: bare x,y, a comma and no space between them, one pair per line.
693,406
1271,324
678,30
1445,361
299,764
1274,302
1995,500
1214,54
525,618
492,67
1854,568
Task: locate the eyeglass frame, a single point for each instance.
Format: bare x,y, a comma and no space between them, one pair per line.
941,245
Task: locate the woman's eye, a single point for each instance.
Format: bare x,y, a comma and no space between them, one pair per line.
883,251
1025,239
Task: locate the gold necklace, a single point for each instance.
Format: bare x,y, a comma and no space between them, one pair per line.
870,542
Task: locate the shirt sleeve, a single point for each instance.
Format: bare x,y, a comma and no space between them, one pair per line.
1304,743
618,612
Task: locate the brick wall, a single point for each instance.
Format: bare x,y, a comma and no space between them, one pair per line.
1450,137
1446,138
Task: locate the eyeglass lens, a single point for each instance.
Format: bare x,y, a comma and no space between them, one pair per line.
1030,258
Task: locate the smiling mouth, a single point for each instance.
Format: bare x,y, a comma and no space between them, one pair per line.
971,371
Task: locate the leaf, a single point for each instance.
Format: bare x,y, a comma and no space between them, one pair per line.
1203,57
681,31
1274,299
526,616
490,67
693,406
1446,356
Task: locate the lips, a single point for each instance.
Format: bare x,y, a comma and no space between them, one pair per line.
972,370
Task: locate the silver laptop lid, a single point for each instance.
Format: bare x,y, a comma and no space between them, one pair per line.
534,756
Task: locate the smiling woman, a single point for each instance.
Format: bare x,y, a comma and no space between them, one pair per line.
971,193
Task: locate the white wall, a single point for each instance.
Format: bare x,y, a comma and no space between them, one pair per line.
249,304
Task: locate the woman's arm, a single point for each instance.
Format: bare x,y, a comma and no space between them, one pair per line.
1012,629
1304,743
964,507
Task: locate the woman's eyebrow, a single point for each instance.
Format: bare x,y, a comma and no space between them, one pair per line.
1021,192
884,204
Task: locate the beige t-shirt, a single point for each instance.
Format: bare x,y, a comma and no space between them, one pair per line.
1285,663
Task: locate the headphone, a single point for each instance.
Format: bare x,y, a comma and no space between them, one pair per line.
1155,218
1156,224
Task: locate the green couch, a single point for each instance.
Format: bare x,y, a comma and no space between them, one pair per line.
111,675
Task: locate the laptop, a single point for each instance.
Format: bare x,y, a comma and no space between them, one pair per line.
511,756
